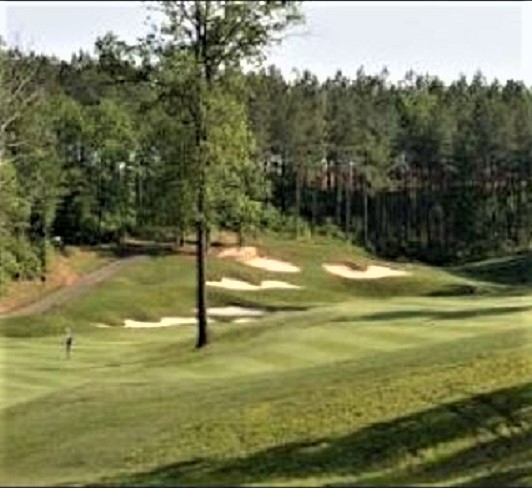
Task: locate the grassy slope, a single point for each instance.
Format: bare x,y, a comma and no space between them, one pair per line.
359,389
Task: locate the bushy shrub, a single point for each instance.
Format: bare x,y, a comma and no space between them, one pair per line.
9,266
18,259
296,226
271,219
27,257
155,233
330,229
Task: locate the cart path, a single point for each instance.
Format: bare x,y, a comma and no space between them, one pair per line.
65,294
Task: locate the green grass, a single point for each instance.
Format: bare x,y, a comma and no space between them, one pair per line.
366,383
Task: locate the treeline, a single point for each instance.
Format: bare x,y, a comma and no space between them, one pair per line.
103,146
418,169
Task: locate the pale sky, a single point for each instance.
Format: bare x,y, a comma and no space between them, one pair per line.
439,38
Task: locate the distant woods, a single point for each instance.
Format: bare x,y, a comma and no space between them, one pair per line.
417,169
102,147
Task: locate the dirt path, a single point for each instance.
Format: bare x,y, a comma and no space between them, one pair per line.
68,293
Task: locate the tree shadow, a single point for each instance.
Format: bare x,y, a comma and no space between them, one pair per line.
265,307
502,415
459,290
438,314
486,455
510,477
513,270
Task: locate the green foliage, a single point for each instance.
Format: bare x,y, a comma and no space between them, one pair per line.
107,145
271,219
17,257
231,179
330,230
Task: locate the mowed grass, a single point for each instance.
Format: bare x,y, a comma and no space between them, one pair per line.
361,383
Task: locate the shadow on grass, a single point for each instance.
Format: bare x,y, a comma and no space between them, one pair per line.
500,417
508,449
510,477
438,314
457,290
513,270
266,307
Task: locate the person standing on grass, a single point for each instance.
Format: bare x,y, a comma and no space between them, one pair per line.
69,339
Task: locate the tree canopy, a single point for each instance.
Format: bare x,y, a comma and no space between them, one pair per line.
152,140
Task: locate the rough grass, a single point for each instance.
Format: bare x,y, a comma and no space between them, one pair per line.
373,384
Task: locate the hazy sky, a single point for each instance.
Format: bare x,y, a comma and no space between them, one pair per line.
441,38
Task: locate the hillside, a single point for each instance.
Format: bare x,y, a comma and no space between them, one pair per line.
348,381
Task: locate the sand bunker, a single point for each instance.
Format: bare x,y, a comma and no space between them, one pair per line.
164,322
372,272
231,284
234,312
249,255
245,252
272,265
246,313
244,320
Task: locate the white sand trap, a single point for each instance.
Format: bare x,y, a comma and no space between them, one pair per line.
245,252
281,285
234,312
249,255
211,312
164,322
244,320
102,326
372,272
272,265
231,284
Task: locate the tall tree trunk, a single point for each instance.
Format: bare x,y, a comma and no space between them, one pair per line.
201,268
99,210
201,235
241,239
348,195
404,203
444,191
314,208
298,200
429,206
383,234
522,207
201,140
328,187
283,182
42,244
366,225
338,186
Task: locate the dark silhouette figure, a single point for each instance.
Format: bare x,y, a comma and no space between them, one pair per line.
69,339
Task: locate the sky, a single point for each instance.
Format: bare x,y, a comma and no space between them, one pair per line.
443,39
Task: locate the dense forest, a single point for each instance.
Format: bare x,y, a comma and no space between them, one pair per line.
102,147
